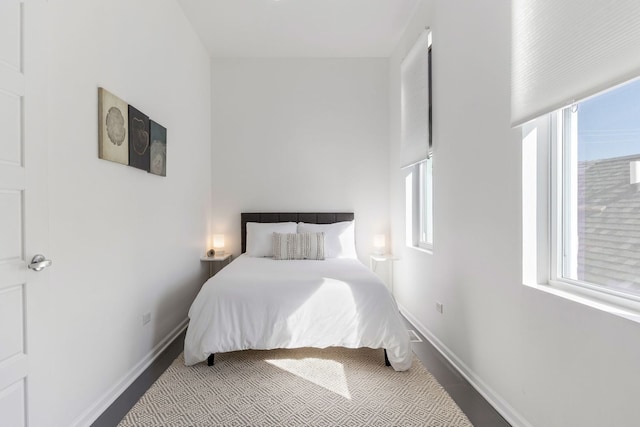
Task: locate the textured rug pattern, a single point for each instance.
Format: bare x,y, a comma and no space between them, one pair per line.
302,387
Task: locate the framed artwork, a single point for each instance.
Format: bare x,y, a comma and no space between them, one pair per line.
113,128
138,139
158,149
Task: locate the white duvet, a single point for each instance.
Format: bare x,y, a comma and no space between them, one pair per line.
261,304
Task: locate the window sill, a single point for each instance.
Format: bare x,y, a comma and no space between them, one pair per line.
621,307
421,250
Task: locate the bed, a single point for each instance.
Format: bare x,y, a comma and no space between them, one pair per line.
261,303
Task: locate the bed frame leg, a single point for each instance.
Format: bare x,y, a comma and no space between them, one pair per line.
386,359
210,359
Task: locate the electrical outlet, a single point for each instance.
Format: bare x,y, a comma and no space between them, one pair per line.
440,307
146,318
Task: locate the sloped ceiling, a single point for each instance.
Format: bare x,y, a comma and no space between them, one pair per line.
299,28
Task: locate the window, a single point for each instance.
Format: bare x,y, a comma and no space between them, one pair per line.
416,137
419,205
595,194
580,195
425,213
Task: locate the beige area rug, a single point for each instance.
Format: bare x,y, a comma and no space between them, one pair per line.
302,387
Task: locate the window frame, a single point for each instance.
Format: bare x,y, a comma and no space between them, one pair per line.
419,213
550,274
425,204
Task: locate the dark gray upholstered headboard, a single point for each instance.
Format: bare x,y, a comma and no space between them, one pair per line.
309,217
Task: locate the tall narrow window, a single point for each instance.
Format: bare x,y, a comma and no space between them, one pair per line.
416,138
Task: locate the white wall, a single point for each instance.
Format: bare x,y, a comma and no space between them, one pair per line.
542,360
300,135
124,242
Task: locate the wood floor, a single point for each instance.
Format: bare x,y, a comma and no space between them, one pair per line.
477,409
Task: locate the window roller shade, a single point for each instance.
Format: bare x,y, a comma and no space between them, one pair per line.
414,98
565,51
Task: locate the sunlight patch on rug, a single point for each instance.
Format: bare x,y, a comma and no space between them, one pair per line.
327,374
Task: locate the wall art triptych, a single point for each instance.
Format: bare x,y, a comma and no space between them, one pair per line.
129,137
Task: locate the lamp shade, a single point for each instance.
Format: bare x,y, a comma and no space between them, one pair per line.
379,243
218,243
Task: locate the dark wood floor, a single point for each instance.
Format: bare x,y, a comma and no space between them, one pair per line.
468,399
475,407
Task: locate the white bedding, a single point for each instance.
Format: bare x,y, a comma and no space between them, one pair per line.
261,303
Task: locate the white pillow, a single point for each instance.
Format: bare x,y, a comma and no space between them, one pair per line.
260,236
339,238
298,246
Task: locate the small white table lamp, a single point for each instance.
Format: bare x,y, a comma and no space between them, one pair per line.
218,244
379,243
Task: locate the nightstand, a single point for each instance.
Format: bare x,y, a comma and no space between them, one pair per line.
216,263
375,259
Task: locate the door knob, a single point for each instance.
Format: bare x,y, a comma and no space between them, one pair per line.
39,262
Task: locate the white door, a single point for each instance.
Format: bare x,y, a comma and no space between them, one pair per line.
23,212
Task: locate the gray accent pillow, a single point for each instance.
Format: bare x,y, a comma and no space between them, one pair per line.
298,246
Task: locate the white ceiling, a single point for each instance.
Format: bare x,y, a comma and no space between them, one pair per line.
299,28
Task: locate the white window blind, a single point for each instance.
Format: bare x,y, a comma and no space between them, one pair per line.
567,50
414,108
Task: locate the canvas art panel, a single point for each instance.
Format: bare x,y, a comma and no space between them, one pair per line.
158,149
113,129
138,139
